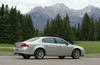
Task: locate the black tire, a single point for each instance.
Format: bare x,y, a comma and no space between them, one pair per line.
26,56
39,54
76,54
61,57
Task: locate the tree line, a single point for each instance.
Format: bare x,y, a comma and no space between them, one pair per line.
14,26
59,27
88,30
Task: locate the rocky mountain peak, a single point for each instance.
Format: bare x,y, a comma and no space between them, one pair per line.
40,15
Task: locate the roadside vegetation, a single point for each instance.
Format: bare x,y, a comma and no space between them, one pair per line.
6,45
90,47
6,48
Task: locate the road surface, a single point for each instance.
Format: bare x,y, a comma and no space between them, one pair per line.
18,60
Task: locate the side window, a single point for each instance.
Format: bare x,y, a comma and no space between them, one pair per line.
48,40
60,41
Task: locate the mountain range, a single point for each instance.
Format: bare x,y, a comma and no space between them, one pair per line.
41,14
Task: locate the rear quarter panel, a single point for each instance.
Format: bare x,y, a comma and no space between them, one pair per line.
35,46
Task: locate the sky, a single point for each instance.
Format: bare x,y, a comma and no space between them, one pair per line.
26,5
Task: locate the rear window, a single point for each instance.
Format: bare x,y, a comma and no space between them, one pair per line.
48,40
32,39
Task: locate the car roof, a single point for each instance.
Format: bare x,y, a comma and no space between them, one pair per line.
48,37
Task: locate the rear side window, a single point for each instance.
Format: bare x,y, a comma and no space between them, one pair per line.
48,40
60,41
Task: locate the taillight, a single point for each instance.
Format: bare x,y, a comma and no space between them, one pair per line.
24,45
15,44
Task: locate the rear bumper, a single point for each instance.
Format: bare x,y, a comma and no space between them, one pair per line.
21,51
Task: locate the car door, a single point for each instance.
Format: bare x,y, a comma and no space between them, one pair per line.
50,46
62,47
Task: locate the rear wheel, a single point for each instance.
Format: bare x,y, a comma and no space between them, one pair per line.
76,54
26,56
39,54
61,57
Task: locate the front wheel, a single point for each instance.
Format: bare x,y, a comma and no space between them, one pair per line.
39,54
76,54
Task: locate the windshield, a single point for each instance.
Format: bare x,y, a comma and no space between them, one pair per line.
32,39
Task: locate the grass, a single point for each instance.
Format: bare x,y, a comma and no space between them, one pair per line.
6,47
90,46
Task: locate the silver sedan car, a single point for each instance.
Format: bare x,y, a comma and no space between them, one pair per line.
47,46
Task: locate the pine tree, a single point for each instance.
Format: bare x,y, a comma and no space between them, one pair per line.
99,29
56,26
67,30
74,30
92,29
85,27
36,32
24,27
6,24
96,30
2,26
14,25
52,27
31,29
78,34
19,26
47,29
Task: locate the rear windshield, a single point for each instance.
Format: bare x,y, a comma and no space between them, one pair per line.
32,39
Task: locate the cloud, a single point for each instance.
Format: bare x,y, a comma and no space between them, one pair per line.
79,4
26,5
